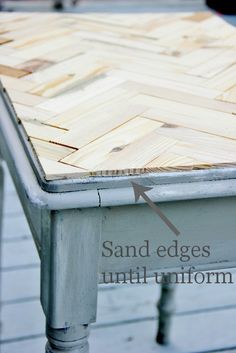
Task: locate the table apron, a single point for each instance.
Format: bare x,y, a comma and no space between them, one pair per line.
204,222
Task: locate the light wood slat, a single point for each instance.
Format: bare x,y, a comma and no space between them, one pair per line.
50,150
6,50
10,82
139,29
190,122
26,112
215,66
224,80
188,116
80,65
10,71
132,43
53,168
21,34
65,52
8,63
90,131
25,98
176,96
4,40
100,101
218,147
42,131
177,38
69,81
16,22
113,48
140,152
171,160
198,17
141,78
99,150
120,94
119,55
34,65
35,37
201,55
44,48
173,28
229,96
209,158
153,70
216,29
75,98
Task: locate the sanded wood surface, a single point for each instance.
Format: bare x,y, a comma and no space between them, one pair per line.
121,94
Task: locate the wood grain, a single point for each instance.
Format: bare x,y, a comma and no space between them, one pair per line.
122,94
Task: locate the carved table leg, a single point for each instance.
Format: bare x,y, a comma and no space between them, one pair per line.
166,307
71,340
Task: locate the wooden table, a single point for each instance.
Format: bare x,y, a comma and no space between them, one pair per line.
91,103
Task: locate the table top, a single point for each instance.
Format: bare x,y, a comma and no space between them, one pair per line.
122,94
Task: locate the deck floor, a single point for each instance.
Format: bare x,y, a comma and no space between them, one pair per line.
107,5
204,320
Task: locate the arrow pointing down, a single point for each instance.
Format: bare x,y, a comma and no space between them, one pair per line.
140,191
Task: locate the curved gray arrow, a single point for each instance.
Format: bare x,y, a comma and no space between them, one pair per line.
140,191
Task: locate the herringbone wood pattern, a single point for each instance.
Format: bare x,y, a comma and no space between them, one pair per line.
114,94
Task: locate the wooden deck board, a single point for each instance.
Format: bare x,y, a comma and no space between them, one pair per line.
81,83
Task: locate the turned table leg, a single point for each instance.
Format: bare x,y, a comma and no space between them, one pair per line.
71,340
166,307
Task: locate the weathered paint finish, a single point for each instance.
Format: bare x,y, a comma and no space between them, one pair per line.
1,198
70,266
69,276
1,217
73,339
201,222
